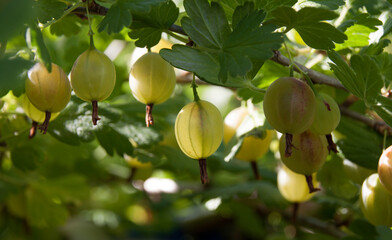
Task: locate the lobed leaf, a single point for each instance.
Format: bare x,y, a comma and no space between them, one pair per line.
48,10
148,28
308,23
13,73
230,55
363,78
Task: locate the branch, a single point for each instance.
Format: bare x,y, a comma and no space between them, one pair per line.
378,125
314,75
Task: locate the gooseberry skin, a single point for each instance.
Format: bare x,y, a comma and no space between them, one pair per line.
152,79
376,202
308,155
385,168
289,105
48,92
327,115
33,113
293,186
199,129
252,147
93,76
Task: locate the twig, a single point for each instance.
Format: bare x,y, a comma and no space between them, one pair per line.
314,75
378,125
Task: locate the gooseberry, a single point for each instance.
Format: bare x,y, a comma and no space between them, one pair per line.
199,132
376,202
93,78
289,106
255,144
293,186
308,155
327,118
49,92
385,168
152,81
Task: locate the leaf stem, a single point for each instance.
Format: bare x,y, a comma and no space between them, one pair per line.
179,38
194,87
256,89
68,11
290,59
293,64
90,32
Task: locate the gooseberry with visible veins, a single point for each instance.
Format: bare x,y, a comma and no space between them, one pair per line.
289,106
49,92
199,132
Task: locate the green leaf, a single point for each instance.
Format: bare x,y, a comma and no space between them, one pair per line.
26,157
387,27
358,36
360,145
231,54
383,108
331,4
363,229
229,6
74,123
233,147
43,211
246,219
206,25
204,65
178,161
375,48
37,40
111,141
140,6
137,131
117,17
69,25
69,188
334,179
120,14
363,78
384,61
13,73
307,22
48,10
147,28
14,15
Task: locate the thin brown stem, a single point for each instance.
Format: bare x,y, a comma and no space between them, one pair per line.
45,124
289,145
149,118
131,175
95,116
295,212
309,181
255,170
33,129
203,171
378,125
331,145
316,77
